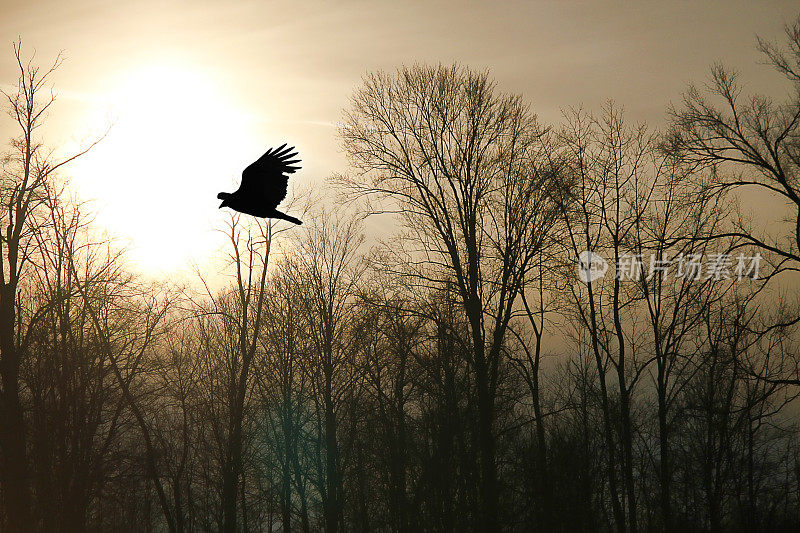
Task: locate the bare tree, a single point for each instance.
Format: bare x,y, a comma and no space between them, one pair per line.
26,170
677,223
612,176
330,268
126,319
460,163
748,143
283,388
242,316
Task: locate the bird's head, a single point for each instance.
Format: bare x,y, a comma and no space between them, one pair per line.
224,197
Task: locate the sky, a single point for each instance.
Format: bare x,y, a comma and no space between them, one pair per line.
190,92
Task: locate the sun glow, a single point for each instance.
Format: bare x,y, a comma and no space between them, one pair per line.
174,142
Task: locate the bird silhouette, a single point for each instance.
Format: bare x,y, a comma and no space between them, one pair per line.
264,184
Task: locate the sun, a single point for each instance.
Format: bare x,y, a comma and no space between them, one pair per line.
175,141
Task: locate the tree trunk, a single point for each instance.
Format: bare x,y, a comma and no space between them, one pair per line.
488,475
230,475
663,444
333,481
16,492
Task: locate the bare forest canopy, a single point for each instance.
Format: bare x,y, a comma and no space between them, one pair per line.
464,375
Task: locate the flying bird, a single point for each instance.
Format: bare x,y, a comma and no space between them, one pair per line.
264,185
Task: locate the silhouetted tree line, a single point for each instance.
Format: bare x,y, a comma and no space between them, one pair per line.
458,376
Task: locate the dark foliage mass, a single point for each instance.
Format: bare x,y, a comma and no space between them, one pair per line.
457,377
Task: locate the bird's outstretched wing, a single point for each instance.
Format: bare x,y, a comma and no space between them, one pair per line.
267,176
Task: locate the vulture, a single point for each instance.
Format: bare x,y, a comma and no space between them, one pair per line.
264,185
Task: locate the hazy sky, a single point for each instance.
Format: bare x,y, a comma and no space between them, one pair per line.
195,90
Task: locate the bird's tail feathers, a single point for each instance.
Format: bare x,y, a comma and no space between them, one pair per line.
290,218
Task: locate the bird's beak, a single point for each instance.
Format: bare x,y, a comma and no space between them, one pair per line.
222,205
